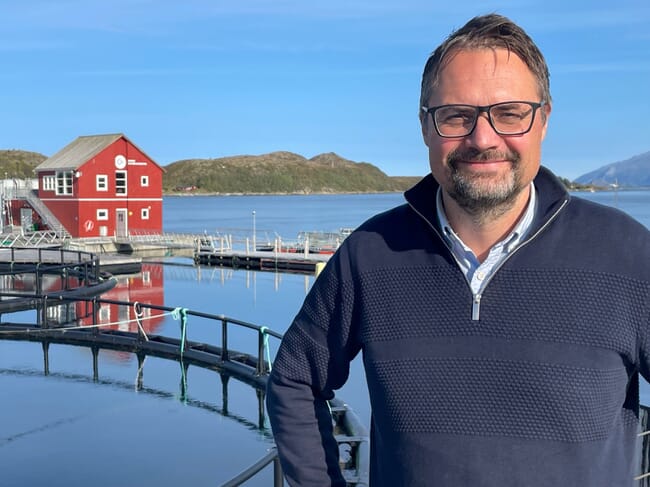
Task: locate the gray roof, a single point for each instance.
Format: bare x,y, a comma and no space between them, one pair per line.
78,152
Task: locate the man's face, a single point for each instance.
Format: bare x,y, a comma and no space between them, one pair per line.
485,169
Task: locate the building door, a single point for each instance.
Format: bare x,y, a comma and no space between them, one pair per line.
121,223
26,219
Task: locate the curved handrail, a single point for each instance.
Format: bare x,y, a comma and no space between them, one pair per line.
257,467
78,271
644,419
250,369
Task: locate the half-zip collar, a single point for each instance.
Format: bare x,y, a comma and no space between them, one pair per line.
552,198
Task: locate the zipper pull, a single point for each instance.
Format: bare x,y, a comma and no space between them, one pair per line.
476,305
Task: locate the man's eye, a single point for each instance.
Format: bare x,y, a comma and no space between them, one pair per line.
505,116
457,117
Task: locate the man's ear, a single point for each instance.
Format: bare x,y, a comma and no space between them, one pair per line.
426,127
545,116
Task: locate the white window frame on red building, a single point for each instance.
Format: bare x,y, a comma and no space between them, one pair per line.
102,182
64,183
120,183
49,183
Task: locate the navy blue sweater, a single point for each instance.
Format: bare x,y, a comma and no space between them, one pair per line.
540,391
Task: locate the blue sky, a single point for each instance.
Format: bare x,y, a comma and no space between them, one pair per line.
210,78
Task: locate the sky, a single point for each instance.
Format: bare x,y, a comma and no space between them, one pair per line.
211,78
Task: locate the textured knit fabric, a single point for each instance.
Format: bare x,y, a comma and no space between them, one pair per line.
541,391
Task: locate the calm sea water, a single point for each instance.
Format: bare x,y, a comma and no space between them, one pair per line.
79,431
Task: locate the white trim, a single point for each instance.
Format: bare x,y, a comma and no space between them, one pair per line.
126,183
120,199
134,163
144,213
144,181
49,183
64,177
125,211
102,218
105,178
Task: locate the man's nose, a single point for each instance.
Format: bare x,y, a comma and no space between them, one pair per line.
484,136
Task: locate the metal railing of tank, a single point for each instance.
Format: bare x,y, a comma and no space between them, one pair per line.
246,367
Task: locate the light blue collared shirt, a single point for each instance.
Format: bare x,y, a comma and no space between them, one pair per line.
477,273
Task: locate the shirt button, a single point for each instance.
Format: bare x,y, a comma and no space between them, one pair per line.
480,276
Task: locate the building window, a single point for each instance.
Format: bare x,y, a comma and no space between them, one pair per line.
64,182
102,182
144,181
144,213
102,215
49,183
120,182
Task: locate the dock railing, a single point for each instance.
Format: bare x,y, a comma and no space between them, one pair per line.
251,368
644,451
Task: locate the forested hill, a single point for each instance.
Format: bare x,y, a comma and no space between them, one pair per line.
279,172
19,164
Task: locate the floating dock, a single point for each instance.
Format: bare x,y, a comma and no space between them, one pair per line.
124,255
19,258
120,264
263,260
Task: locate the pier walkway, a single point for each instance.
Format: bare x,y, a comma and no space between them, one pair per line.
235,250
230,248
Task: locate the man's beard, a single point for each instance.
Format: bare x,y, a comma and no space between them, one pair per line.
484,196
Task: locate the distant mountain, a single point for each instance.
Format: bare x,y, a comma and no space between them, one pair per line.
633,172
279,172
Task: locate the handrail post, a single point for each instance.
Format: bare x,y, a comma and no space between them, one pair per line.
224,340
278,477
44,313
261,362
95,311
95,267
39,279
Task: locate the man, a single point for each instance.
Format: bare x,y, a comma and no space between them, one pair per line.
503,323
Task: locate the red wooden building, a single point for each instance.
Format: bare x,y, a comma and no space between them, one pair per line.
102,185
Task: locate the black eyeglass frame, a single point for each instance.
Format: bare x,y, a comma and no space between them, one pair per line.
483,109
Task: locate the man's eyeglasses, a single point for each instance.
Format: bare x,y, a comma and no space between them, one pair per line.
506,118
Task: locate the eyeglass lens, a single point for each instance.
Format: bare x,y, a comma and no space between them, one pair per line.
508,118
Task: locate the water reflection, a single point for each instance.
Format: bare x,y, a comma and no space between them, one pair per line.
138,385
32,283
223,275
147,287
155,409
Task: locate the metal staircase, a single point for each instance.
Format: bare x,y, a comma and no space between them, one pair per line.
47,217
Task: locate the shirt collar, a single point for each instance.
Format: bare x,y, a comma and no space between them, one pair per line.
510,242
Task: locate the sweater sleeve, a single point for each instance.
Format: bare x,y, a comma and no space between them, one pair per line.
313,361
644,348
